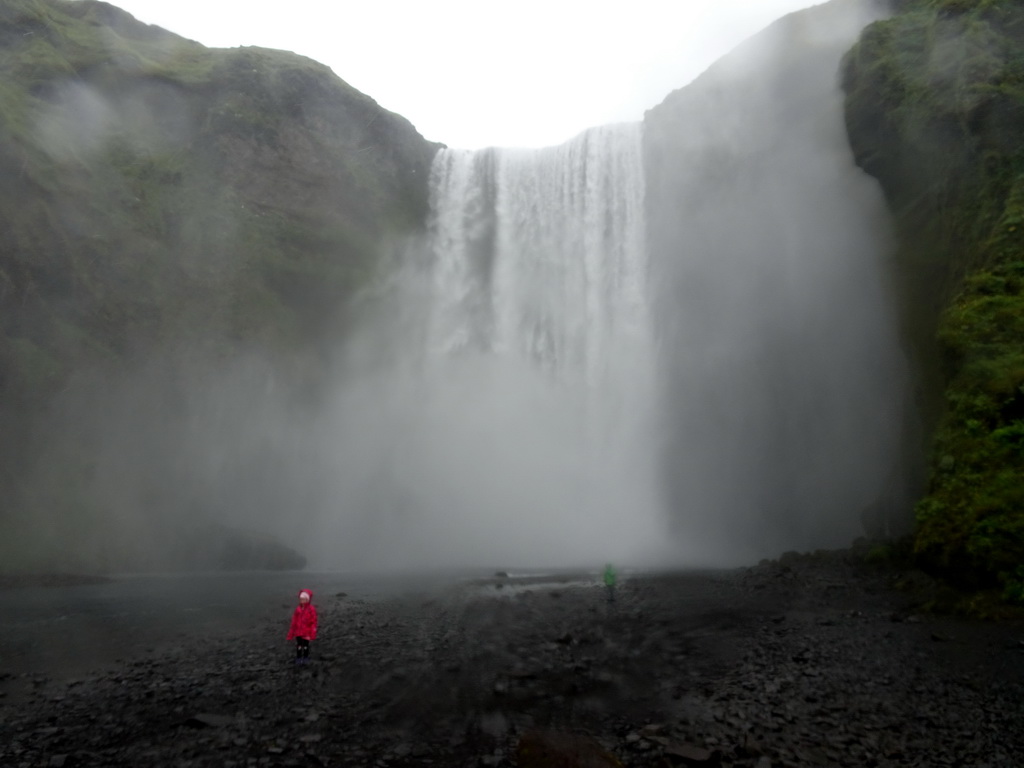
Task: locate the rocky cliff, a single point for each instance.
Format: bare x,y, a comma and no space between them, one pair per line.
167,212
935,111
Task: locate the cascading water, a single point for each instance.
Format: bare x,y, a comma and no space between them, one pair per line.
541,254
509,419
539,277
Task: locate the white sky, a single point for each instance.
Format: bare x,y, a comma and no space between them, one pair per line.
473,73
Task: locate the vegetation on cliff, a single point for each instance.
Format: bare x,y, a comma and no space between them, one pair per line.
166,208
935,110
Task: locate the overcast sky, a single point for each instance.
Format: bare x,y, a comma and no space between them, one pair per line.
474,73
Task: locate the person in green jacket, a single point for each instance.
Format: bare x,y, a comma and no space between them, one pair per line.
609,581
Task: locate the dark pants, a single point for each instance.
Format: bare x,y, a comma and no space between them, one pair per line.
611,592
301,648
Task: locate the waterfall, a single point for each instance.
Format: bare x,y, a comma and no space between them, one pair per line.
539,316
540,254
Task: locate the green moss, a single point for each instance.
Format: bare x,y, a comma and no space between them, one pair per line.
943,138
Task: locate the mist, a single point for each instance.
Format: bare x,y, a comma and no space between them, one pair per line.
508,422
758,401
661,344
785,383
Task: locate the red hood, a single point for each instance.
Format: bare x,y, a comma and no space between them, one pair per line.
308,592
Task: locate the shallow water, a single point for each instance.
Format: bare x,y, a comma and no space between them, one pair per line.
70,630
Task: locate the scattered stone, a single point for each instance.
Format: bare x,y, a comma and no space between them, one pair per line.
206,720
551,749
691,755
700,670
494,724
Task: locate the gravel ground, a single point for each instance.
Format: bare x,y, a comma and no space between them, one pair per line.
809,661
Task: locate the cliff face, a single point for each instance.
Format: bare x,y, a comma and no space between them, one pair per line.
935,111
167,211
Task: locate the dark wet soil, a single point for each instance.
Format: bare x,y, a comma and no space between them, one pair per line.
816,661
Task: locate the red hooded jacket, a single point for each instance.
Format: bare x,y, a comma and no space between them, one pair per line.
304,619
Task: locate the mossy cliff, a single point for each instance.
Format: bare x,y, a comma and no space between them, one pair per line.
169,208
935,111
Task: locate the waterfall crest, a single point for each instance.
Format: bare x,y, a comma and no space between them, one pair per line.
540,253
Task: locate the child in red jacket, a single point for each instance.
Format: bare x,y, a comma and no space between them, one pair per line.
303,627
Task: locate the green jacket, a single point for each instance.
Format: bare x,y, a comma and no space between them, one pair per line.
609,575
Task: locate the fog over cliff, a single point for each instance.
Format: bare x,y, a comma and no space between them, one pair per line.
786,390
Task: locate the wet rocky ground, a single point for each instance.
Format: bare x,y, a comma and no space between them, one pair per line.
811,661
